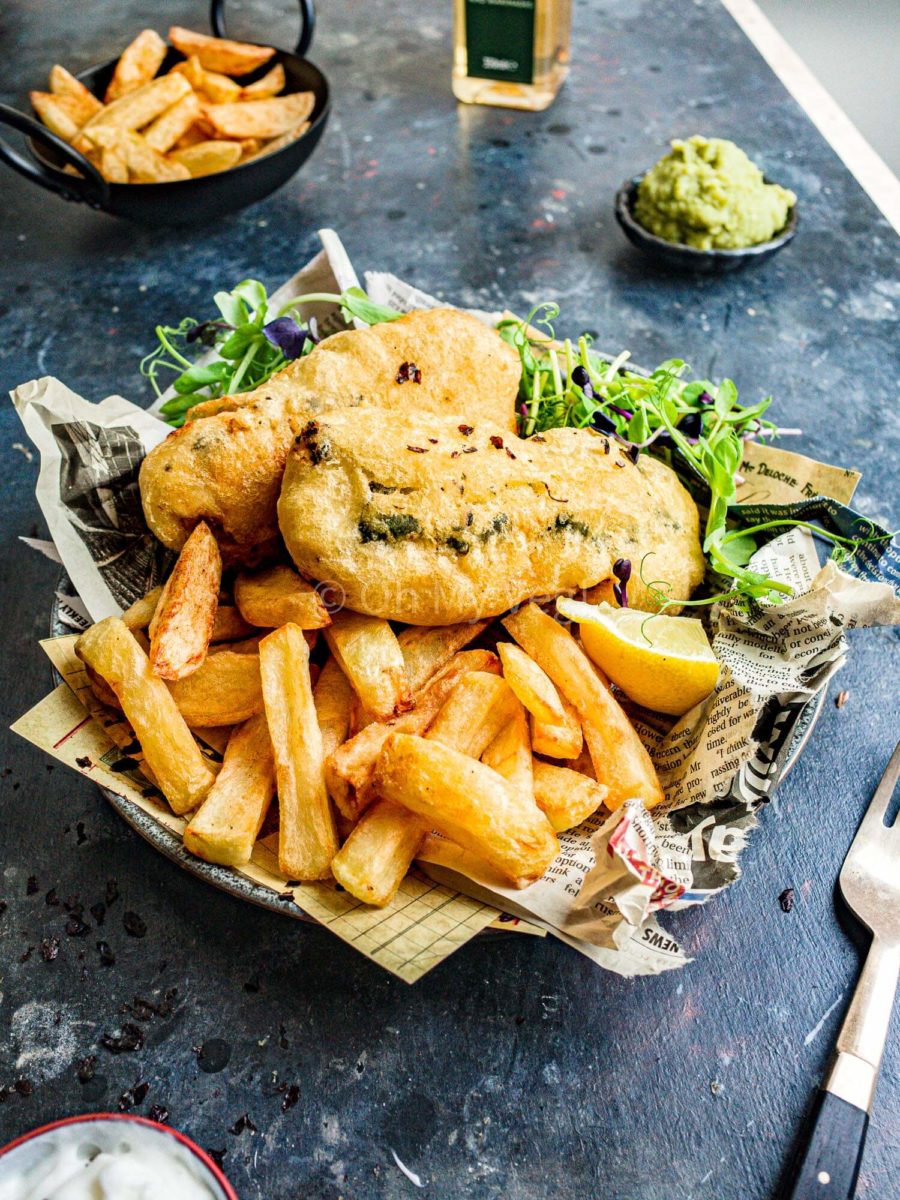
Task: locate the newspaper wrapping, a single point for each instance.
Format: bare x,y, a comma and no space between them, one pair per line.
719,764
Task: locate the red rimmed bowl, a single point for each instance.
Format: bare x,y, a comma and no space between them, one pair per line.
28,1149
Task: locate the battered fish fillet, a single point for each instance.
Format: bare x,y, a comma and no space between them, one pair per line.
226,468
431,521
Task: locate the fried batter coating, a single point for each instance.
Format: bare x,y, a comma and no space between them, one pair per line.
225,468
434,520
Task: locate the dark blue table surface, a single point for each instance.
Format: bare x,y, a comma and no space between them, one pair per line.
516,1069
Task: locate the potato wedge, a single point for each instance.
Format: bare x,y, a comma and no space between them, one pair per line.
225,826
532,686
169,126
270,84
561,739
192,137
140,614
620,759
219,89
349,768
565,796
147,165
278,143
509,754
62,83
260,118
225,690
307,840
220,54
469,803
427,650
138,63
278,595
55,114
113,164
373,861
183,774
183,622
475,712
134,110
207,158
370,656
333,697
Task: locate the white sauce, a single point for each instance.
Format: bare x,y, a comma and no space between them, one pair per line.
105,1160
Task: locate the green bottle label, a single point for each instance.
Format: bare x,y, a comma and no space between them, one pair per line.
500,39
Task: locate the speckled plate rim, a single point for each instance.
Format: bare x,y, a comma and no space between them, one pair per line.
228,880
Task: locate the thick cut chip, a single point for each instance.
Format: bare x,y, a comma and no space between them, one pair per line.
229,625
225,826
137,64
172,124
558,739
476,710
469,803
220,54
270,84
278,595
621,762
371,658
565,796
532,685
307,840
441,852
373,861
349,768
427,650
184,619
140,614
183,774
260,118
509,754
333,697
225,690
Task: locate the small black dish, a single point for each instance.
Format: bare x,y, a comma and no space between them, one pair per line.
689,258
188,201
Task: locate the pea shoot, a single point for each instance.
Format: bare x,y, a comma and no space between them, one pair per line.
698,427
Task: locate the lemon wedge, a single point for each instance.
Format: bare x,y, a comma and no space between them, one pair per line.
665,664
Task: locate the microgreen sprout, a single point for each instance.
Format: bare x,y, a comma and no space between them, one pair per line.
249,342
697,426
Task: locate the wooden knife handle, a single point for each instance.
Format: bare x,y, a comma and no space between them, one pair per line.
828,1167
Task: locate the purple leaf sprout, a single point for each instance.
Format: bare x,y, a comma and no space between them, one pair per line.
581,379
622,571
286,334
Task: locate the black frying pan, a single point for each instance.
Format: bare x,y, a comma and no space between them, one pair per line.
188,200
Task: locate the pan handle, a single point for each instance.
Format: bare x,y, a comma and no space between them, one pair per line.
92,190
307,22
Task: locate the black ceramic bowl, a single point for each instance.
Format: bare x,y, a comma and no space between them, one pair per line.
689,258
186,201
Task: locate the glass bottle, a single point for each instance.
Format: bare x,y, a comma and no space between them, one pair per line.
511,53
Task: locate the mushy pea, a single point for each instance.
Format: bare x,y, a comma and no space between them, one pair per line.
707,193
